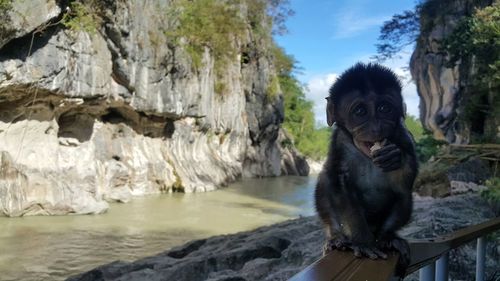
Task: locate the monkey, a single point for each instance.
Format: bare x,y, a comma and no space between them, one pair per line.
364,192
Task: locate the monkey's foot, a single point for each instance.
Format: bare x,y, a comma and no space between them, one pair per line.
336,243
400,245
371,252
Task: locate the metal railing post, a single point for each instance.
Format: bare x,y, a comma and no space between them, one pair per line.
427,273
442,268
480,258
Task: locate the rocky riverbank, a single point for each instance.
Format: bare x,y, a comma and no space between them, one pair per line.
279,251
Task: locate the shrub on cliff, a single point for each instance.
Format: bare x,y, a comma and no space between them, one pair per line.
492,194
475,43
208,24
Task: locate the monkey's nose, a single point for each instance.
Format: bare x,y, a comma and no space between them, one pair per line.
376,130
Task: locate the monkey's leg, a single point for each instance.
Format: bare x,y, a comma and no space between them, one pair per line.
389,240
344,217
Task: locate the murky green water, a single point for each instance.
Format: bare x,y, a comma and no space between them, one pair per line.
53,248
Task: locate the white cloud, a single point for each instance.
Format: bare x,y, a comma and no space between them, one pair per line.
352,23
317,91
318,86
354,17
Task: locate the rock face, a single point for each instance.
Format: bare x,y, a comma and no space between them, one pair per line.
278,252
442,89
88,117
440,179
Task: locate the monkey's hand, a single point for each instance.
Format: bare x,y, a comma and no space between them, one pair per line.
388,158
402,246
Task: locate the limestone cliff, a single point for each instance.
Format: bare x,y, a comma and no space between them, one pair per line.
88,117
443,89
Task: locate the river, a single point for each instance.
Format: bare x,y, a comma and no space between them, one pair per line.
56,247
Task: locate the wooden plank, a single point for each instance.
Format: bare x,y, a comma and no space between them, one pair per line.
344,266
371,270
325,268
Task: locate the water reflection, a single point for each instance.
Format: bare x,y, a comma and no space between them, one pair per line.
52,248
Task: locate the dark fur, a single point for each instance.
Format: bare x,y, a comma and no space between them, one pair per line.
363,201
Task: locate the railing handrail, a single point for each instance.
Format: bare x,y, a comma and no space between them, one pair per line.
428,250
339,265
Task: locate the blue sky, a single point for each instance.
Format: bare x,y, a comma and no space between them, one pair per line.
328,36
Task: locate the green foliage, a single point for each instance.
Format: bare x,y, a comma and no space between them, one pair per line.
5,6
316,144
220,87
260,23
273,87
476,42
81,17
208,24
492,194
299,117
284,63
268,16
427,146
479,36
414,126
278,11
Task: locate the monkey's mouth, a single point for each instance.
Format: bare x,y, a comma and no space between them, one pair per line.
367,147
364,147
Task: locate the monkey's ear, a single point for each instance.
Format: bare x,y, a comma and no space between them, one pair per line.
330,119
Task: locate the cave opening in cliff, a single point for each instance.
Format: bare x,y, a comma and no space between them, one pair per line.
169,129
480,107
75,125
113,116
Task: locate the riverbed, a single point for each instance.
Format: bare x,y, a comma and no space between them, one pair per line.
53,248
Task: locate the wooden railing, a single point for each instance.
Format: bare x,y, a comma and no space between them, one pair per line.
429,256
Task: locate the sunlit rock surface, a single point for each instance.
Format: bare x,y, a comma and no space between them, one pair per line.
91,117
279,251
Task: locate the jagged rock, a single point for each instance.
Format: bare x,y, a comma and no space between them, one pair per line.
122,111
473,170
458,187
19,18
315,166
439,180
279,251
22,193
292,163
442,88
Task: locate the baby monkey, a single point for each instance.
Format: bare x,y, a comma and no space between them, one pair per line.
364,192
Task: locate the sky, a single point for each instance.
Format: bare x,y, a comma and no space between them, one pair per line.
328,36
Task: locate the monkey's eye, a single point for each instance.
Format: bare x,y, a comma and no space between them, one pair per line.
359,110
384,108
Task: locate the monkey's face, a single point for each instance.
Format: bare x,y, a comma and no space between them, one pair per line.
370,117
